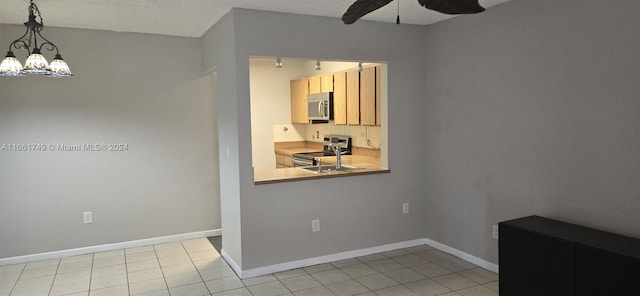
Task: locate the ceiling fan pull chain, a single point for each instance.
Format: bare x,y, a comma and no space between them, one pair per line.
398,18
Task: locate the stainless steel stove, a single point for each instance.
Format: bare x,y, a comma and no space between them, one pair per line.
309,158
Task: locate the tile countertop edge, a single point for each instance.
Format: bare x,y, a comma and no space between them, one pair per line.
312,176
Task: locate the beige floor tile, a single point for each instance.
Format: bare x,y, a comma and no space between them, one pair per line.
76,275
479,275
346,262
178,269
210,263
108,261
121,290
34,286
174,260
216,273
450,294
182,279
108,254
259,280
6,287
142,265
434,255
493,286
203,255
76,259
300,283
396,291
319,268
141,256
272,288
347,288
236,292
67,284
404,275
156,293
86,293
396,253
139,250
427,288
290,273
109,281
39,272
385,265
10,276
198,289
74,266
372,257
358,270
478,291
42,263
377,282
108,271
163,253
12,268
330,276
455,281
144,275
456,264
225,284
410,260
147,286
172,245
431,270
318,291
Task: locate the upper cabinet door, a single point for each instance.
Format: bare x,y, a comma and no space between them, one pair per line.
314,85
353,97
326,83
368,96
299,92
340,98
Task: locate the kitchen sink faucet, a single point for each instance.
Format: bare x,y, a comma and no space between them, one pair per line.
336,149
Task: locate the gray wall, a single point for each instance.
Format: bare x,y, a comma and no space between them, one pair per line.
355,212
532,108
147,91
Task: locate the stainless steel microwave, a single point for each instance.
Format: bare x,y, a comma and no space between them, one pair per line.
320,106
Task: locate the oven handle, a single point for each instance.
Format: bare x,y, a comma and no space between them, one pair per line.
320,109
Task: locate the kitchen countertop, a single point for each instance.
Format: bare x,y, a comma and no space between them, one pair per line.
364,166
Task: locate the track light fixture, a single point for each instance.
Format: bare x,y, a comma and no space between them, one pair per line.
278,63
360,67
35,64
318,68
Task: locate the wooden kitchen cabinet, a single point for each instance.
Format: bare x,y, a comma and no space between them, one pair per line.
368,96
283,161
353,97
326,83
299,92
340,98
315,84
378,98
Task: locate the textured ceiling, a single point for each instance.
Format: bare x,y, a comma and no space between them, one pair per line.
192,18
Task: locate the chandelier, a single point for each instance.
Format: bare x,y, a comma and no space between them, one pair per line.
33,42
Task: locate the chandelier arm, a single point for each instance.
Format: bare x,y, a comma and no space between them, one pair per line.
20,41
47,42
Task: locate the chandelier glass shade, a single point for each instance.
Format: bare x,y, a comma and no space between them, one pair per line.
33,43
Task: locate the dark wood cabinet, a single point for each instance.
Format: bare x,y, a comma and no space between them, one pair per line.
540,256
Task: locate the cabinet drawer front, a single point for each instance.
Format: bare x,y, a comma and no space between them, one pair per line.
602,273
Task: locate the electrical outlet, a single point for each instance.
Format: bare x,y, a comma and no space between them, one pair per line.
495,231
87,217
315,225
405,208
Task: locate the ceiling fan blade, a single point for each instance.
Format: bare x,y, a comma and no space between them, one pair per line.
453,6
361,8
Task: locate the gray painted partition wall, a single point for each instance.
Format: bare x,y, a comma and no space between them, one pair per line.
533,109
356,212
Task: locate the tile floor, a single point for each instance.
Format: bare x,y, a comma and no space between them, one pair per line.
195,268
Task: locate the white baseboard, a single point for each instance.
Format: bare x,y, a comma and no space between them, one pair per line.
110,247
464,256
249,273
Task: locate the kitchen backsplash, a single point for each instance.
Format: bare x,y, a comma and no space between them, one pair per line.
362,136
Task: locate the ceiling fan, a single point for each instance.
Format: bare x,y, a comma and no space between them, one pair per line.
361,8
